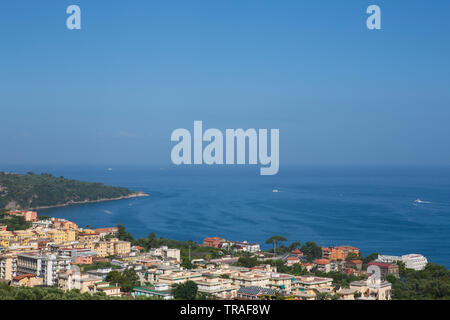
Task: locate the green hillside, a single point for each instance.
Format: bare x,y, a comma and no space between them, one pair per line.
24,191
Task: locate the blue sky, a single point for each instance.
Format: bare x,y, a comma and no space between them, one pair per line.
113,92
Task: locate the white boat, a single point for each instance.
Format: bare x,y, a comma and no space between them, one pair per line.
420,201
275,190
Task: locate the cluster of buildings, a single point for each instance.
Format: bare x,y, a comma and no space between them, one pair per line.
55,252
235,246
49,253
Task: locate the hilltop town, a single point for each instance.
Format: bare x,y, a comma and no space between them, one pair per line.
44,252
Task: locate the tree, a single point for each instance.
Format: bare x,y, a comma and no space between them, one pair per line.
275,240
185,291
123,234
312,251
126,280
247,262
294,245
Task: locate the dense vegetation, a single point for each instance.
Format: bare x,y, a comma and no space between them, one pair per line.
24,191
49,293
13,222
432,283
126,280
185,291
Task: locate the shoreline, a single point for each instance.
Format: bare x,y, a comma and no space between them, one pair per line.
70,203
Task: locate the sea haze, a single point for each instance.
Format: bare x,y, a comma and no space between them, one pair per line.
371,208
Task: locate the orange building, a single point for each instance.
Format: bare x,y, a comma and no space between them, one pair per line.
338,253
83,260
297,252
213,242
27,215
64,224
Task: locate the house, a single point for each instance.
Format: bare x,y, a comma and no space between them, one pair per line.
381,270
346,294
243,246
213,242
292,260
27,280
30,216
106,288
103,232
354,264
372,289
323,265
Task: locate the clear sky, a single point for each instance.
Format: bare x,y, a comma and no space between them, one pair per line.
112,92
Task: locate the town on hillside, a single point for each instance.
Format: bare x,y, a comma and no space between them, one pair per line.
41,252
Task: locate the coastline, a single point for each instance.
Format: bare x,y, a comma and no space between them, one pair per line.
138,194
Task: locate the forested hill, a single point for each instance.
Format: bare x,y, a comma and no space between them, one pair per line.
25,191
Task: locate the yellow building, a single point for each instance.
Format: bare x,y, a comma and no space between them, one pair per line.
112,247
56,236
122,248
6,237
61,236
88,236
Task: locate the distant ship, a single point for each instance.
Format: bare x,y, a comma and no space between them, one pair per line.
110,169
275,190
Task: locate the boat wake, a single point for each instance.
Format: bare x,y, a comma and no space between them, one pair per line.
418,201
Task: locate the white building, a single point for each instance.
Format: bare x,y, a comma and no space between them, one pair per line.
412,261
166,253
241,246
45,266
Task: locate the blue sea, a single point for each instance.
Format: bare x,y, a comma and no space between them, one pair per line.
371,208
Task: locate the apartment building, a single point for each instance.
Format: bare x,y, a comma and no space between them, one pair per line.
166,253
110,247
78,255
8,266
309,283
72,279
44,265
217,287
177,277
88,237
338,253
412,261
250,279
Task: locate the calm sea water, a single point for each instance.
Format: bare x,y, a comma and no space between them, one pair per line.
369,207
